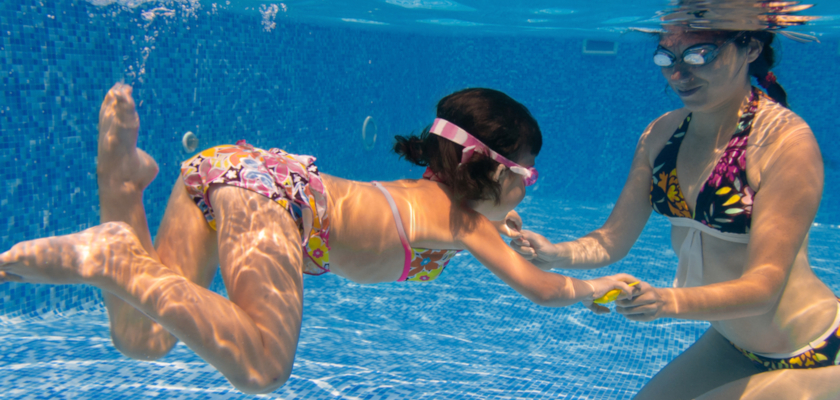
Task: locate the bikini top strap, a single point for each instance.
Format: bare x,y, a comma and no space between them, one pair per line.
400,230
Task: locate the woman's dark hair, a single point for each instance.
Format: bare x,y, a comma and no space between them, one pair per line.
760,68
495,119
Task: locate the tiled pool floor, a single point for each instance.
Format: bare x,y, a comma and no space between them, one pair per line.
464,336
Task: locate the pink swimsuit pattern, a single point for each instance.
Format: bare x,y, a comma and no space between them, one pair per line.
290,180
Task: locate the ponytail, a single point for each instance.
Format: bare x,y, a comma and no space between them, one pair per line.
760,68
414,148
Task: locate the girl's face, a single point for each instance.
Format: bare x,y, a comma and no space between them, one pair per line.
512,193
705,87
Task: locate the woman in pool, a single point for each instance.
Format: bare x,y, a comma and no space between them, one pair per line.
750,181
249,210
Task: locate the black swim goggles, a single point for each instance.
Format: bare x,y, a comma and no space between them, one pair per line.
700,54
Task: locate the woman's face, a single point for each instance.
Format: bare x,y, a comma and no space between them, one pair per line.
512,193
703,87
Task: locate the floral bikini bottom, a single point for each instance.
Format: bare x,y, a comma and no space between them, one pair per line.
290,180
823,352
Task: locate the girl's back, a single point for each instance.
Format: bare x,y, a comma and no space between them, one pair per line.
364,242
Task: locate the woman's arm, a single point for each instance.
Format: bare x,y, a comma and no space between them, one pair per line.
614,239
783,210
544,288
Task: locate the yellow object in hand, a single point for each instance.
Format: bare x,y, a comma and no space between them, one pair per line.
611,295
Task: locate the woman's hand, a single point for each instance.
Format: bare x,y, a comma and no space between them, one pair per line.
602,285
536,249
646,304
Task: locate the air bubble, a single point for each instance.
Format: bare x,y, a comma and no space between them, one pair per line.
369,129
190,142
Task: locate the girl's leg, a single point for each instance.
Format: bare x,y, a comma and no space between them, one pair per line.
801,384
185,243
187,246
709,363
251,338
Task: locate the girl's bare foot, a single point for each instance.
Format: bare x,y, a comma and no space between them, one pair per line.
84,257
122,168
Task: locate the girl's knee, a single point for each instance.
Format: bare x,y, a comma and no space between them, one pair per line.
140,344
147,348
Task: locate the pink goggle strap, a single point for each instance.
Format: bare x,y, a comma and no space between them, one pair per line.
454,133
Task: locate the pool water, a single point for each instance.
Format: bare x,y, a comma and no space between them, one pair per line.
465,336
308,84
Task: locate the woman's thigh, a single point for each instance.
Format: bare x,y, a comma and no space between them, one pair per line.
799,384
709,363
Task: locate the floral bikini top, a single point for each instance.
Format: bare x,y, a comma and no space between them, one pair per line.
725,200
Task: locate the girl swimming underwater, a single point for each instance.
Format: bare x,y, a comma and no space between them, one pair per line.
267,216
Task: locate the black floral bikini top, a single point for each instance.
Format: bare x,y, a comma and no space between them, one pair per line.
725,200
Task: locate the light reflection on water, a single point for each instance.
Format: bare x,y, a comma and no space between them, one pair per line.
600,18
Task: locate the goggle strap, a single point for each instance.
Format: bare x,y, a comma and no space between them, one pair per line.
467,153
521,171
455,134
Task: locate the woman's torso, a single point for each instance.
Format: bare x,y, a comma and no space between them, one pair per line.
365,245
806,306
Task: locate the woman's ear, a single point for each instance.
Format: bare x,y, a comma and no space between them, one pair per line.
754,49
497,175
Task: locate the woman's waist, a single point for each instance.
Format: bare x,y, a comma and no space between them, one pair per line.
786,329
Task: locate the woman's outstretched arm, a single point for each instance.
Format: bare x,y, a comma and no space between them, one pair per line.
613,240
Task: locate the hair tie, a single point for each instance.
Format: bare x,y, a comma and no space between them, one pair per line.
769,79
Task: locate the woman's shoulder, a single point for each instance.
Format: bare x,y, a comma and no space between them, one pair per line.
778,134
665,125
775,125
660,130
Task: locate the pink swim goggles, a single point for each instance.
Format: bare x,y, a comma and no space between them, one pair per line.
448,130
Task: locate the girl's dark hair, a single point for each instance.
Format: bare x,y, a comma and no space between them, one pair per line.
495,119
760,68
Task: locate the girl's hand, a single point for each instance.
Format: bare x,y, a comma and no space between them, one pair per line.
536,249
510,226
601,286
646,304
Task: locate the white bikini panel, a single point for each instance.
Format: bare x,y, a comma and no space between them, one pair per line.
690,267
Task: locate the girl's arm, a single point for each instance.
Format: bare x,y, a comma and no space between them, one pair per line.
510,226
541,287
783,210
614,239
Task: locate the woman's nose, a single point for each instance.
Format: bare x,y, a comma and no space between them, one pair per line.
679,72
